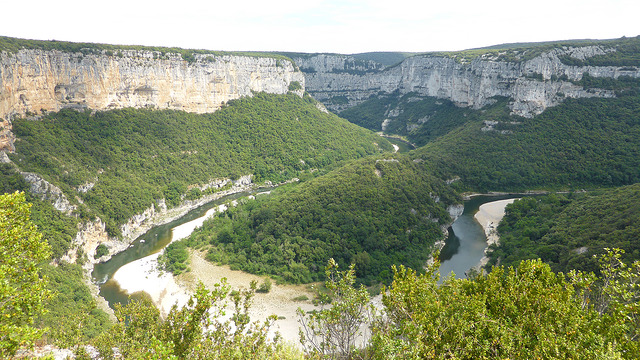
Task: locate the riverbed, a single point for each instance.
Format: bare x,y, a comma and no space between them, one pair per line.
127,275
135,270
469,234
148,246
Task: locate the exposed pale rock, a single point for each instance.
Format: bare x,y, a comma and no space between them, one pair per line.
320,106
216,184
34,81
471,84
489,125
455,211
47,191
385,124
6,136
243,181
86,186
411,127
4,159
337,63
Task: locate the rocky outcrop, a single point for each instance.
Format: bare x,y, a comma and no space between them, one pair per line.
336,63
455,211
36,81
47,191
533,85
158,213
6,136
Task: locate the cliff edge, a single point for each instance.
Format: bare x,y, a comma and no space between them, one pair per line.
34,81
533,82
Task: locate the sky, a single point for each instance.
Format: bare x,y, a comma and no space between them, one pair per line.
335,26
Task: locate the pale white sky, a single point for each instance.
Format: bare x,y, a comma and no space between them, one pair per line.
342,26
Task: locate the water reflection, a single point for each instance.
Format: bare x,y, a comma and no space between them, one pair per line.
149,243
464,248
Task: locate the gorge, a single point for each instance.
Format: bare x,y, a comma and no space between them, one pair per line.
110,141
533,82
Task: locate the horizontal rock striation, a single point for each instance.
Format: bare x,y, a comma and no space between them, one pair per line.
35,81
533,85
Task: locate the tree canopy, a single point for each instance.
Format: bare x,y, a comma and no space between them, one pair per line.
372,212
567,231
23,291
131,157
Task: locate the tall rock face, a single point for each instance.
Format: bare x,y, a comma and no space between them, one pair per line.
34,81
533,85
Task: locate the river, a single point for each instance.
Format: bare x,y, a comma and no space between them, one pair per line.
465,245
464,248
152,242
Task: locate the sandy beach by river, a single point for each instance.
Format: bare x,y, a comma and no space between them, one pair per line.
279,301
166,290
143,275
489,216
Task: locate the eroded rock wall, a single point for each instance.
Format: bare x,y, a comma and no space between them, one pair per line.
534,85
35,81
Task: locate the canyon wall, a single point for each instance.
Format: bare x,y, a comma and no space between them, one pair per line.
533,85
36,81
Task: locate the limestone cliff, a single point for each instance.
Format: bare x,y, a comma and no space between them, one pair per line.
44,190
33,81
533,84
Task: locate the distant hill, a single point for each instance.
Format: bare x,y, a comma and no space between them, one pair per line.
535,76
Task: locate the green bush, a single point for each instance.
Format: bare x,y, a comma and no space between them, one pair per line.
265,287
175,258
294,85
101,250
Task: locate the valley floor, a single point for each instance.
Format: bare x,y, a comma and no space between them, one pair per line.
279,301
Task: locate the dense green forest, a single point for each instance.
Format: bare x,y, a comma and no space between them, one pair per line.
579,143
369,212
135,156
586,142
373,212
566,231
421,120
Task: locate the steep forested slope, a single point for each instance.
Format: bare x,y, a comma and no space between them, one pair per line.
71,313
584,142
57,228
566,231
419,118
373,212
134,156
